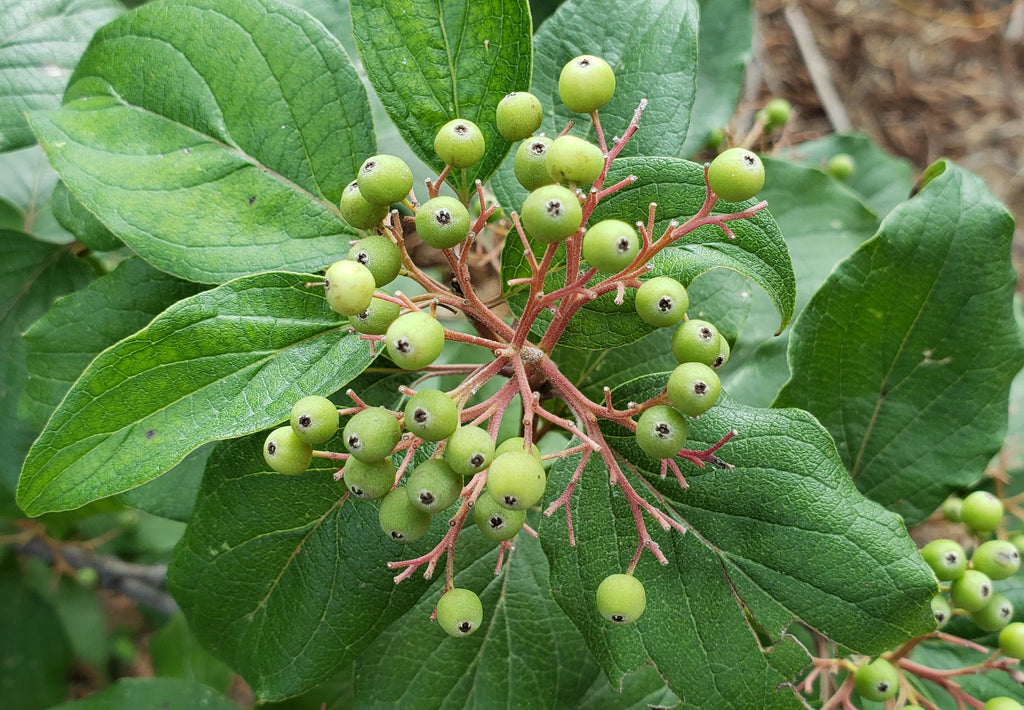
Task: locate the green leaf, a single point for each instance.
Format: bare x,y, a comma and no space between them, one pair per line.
782,536
652,47
152,694
74,217
61,344
677,186
172,495
32,275
222,363
945,656
431,62
26,184
40,43
34,650
177,654
246,135
906,353
284,578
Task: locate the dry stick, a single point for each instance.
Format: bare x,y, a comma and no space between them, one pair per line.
817,67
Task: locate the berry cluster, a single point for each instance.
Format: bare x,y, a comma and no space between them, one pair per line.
440,451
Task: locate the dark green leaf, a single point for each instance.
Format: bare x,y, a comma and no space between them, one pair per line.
152,694
26,184
177,654
172,495
40,43
222,363
652,47
907,351
247,134
431,62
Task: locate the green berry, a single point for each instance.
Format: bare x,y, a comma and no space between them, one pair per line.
946,558
697,341
516,480
610,245
384,179
369,481
431,415
715,139
586,84
776,113
400,519
443,222
662,301
661,431
371,434
998,559
433,486
941,610
379,255
723,354
971,591
1011,640
495,521
414,340
459,612
951,508
877,680
358,211
736,175
314,419
1003,703
459,143
470,450
994,615
376,318
574,160
530,165
518,115
286,453
1018,542
516,443
348,287
840,166
981,512
551,213
621,598
693,388
87,578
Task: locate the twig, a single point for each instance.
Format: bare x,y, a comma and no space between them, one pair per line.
817,68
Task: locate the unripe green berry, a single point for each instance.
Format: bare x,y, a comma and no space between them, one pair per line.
377,317
87,578
286,453
574,160
516,443
1011,640
610,245
379,255
431,415
516,480
470,450
1003,703
518,115
414,340
443,222
459,143
877,680
586,84
994,615
621,598
371,434
971,591
776,113
1018,542
433,486
662,301
946,558
369,481
400,519
384,179
459,612
736,175
841,166
693,388
696,341
941,610
981,512
723,354
495,521
551,213
348,287
314,419
358,211
661,431
951,508
530,165
998,559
